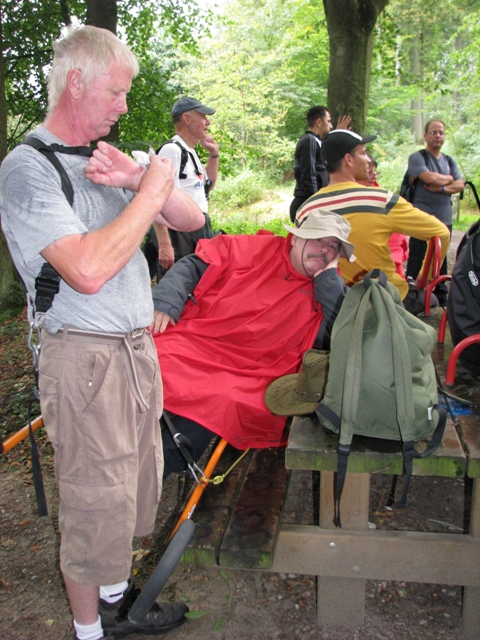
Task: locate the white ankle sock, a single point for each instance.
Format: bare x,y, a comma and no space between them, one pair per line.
113,592
89,631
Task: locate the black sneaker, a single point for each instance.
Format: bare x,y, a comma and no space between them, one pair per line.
161,618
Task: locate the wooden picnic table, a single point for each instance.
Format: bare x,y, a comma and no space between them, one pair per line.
343,559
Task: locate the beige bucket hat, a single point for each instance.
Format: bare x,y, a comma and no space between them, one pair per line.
300,393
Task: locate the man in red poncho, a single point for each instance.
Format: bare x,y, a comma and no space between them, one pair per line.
235,316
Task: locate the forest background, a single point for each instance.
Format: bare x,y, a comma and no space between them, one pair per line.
262,64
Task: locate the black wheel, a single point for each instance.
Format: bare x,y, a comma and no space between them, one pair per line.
162,572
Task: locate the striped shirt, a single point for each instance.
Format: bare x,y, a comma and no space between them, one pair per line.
374,214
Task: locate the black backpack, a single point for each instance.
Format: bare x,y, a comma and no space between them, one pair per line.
185,155
409,183
464,296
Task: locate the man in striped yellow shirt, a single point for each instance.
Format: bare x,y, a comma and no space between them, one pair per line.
374,213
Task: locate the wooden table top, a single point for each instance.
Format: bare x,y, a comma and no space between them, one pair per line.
310,446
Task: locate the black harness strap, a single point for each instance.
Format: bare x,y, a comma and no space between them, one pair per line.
185,154
47,282
47,285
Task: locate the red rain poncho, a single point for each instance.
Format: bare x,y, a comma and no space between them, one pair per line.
252,320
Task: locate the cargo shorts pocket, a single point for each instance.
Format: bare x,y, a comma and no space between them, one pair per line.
92,522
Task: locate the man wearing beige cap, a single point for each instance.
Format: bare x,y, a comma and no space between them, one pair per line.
238,314
374,213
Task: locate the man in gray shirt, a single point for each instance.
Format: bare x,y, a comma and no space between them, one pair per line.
438,178
99,381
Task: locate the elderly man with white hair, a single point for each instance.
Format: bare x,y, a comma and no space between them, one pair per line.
100,385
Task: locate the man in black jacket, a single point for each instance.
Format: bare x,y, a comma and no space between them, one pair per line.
310,172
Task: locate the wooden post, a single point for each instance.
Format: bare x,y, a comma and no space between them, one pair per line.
341,601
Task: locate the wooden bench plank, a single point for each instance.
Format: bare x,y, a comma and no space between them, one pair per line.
252,532
469,431
214,509
312,447
411,556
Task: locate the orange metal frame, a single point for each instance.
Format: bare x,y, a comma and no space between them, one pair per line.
21,434
200,488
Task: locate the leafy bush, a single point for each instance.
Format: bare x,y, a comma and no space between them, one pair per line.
238,191
241,224
464,222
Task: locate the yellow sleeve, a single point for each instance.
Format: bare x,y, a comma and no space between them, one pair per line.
407,219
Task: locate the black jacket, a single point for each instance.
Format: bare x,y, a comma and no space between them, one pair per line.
310,172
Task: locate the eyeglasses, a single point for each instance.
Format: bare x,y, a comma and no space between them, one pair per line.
434,133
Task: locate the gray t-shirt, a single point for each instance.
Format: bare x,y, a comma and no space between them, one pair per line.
34,213
437,204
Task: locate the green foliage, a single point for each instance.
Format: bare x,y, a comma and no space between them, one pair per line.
238,191
26,55
196,615
148,122
12,295
464,222
262,70
155,30
242,224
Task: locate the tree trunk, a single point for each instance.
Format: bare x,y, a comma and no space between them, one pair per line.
3,98
103,14
7,270
416,105
350,26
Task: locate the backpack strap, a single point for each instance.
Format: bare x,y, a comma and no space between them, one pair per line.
424,153
184,157
47,285
410,452
48,280
48,151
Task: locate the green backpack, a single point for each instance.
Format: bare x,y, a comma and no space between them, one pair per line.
381,379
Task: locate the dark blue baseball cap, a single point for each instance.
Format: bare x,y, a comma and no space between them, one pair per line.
187,104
